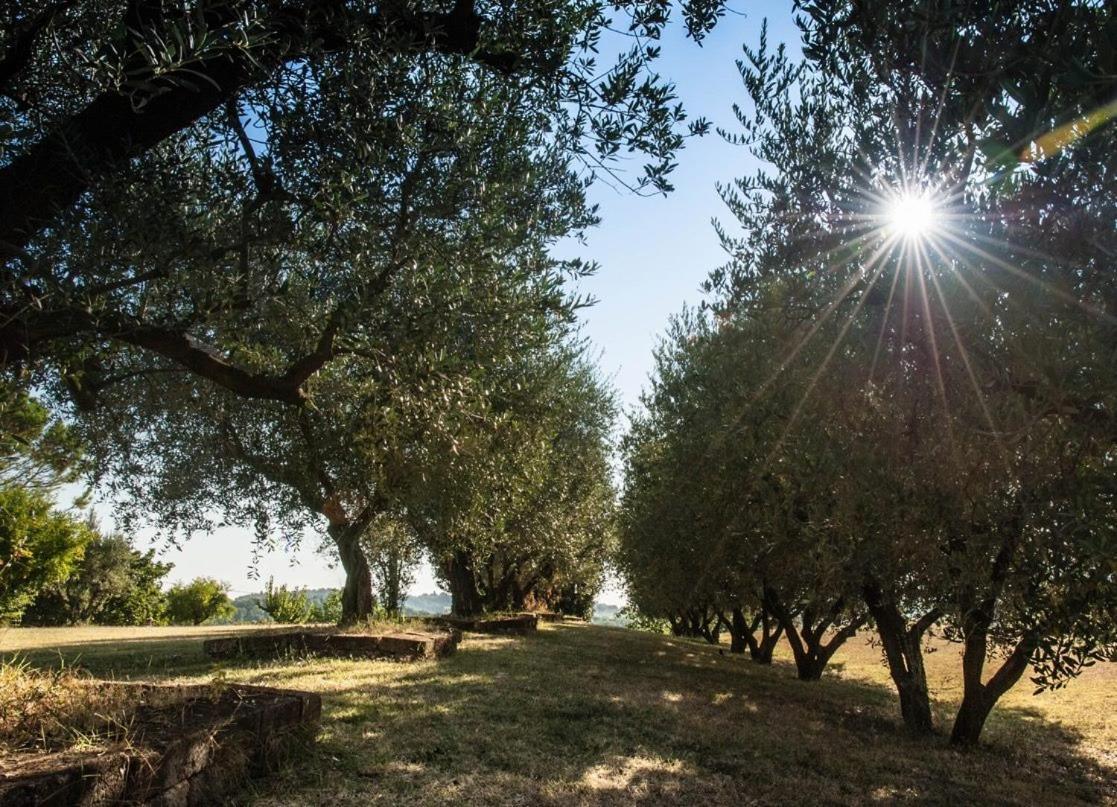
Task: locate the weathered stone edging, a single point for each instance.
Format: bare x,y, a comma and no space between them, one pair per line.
402,646
192,753
515,624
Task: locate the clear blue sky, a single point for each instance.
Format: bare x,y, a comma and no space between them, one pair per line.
654,254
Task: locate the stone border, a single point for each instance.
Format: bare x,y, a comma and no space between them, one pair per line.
240,731
514,624
403,646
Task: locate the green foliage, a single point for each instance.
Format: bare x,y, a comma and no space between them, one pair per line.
271,154
285,605
39,547
327,609
517,513
113,584
37,451
198,601
857,424
635,619
394,552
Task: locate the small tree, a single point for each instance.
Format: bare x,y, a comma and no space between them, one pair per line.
328,609
201,599
38,547
113,584
393,553
289,606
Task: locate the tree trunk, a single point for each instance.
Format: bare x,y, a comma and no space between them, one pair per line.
811,653
770,632
978,699
356,597
694,624
710,626
465,599
903,650
738,631
392,596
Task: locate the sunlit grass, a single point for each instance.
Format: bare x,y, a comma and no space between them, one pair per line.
590,715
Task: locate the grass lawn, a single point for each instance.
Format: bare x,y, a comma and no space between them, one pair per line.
581,714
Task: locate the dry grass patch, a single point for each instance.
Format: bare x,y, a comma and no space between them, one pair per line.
584,715
58,710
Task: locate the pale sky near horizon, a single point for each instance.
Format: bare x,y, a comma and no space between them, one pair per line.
653,255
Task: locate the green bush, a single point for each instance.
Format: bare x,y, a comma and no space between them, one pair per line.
38,547
199,600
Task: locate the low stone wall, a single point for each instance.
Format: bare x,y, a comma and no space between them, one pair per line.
404,646
515,624
548,616
186,746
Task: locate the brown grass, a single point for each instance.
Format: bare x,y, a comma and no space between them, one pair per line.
56,710
580,714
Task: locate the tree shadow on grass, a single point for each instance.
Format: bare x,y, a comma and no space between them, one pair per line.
585,715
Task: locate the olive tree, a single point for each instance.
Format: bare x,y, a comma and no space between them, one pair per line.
519,514
970,411
176,176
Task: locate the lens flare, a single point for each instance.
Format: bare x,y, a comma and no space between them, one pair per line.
911,216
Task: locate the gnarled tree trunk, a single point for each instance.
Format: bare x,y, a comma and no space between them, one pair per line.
904,653
978,699
465,598
356,597
808,639
762,648
743,634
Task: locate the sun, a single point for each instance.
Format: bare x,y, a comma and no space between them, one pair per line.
911,216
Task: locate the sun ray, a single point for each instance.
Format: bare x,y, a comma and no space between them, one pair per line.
884,323
826,360
1041,284
929,328
960,277
964,356
941,105
825,315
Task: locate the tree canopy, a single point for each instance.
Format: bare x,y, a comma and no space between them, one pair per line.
39,547
869,425
179,180
113,584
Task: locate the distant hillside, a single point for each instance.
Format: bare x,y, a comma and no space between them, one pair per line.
432,604
604,614
248,608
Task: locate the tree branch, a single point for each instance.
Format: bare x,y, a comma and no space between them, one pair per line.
18,54
51,175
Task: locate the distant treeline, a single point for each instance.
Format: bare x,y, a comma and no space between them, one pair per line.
248,608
